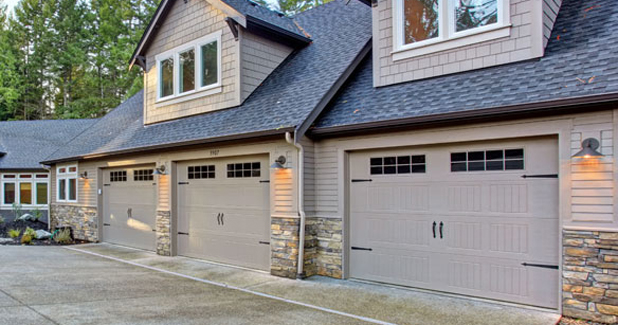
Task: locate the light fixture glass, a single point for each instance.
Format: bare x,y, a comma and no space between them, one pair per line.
589,149
279,163
84,175
159,170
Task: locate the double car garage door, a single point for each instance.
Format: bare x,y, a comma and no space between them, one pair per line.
223,210
459,218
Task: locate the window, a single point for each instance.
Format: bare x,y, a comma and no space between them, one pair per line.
421,23
67,184
201,172
118,176
141,175
190,68
243,170
489,160
414,164
25,189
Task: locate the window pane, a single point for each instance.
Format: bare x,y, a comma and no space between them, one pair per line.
376,170
420,20
209,64
73,189
494,154
404,169
390,160
390,170
62,189
187,71
476,155
476,166
403,160
495,165
418,159
514,153
514,164
25,193
458,167
458,156
418,169
376,161
475,13
166,77
41,193
9,193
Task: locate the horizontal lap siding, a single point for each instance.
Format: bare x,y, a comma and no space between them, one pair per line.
592,183
185,23
309,173
327,195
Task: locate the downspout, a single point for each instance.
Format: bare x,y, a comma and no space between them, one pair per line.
49,191
301,203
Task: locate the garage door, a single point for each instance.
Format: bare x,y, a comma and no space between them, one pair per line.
479,219
223,211
129,207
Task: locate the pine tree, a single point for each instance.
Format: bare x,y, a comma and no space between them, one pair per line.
293,7
10,90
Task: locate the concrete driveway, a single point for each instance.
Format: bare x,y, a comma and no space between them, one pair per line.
104,284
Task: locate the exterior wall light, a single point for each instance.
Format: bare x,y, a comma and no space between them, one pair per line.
83,175
159,170
589,150
279,163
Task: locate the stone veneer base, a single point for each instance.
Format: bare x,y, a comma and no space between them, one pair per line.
83,220
324,247
164,233
284,246
590,275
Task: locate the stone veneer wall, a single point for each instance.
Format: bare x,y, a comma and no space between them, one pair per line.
164,233
284,246
590,275
324,242
83,220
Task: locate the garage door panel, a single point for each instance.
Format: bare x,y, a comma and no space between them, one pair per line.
487,223
227,219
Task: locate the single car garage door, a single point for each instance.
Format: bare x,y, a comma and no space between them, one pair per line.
223,211
129,207
479,219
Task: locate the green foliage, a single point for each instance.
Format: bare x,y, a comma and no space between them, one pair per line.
293,7
63,237
26,239
16,210
2,221
14,233
69,58
30,232
37,214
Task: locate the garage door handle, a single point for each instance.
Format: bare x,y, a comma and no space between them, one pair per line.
441,226
129,213
107,225
434,229
354,248
222,221
219,219
545,266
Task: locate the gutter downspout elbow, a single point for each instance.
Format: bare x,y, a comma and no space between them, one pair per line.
301,202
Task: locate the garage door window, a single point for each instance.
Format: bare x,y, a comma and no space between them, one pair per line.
244,170
201,172
118,176
397,165
488,160
142,175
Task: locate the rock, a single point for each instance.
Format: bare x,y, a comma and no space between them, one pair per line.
6,241
584,252
608,309
27,217
42,234
584,314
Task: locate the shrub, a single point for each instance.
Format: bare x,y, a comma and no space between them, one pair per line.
26,239
30,232
14,233
1,220
17,210
37,214
63,236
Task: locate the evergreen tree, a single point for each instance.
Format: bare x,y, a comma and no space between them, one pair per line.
10,90
293,7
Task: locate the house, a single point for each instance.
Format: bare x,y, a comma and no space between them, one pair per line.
457,146
24,182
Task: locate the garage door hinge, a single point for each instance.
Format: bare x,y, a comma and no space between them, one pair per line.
361,180
553,267
106,224
354,248
540,176
183,183
183,233
107,184
266,181
264,242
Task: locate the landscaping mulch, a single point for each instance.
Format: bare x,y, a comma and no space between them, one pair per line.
22,225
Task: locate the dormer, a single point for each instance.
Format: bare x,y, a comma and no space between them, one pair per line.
200,56
418,39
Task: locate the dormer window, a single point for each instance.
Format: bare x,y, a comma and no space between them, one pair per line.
428,26
190,69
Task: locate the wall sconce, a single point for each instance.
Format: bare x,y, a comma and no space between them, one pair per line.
159,170
589,149
279,163
83,175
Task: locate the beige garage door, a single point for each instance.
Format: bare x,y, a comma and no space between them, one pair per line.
223,211
479,219
129,207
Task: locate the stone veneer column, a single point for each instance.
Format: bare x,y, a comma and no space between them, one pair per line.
590,275
284,246
164,234
82,220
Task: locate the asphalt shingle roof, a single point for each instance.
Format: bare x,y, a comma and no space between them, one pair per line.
284,100
248,8
26,143
583,61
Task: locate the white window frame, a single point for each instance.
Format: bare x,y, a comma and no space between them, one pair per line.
448,38
67,175
174,53
18,180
